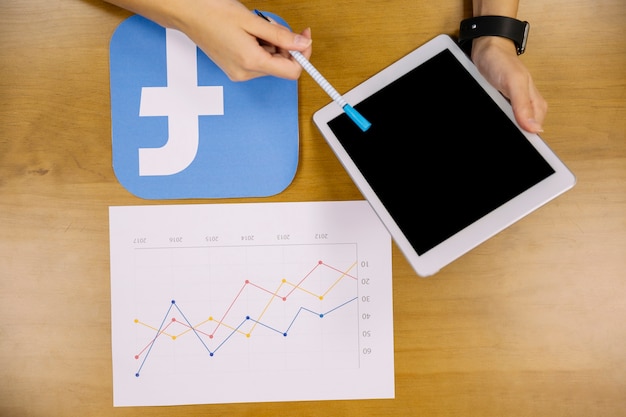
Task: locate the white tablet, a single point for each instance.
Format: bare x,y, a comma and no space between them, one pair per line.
444,164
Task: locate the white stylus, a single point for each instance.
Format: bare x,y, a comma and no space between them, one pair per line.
356,117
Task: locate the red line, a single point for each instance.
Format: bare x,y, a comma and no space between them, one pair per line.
154,339
247,282
339,270
264,289
229,307
192,327
303,278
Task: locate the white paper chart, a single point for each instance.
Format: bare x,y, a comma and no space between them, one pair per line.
225,303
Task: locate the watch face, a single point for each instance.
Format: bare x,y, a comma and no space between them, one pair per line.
522,46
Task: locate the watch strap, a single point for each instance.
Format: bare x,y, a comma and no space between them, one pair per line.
503,26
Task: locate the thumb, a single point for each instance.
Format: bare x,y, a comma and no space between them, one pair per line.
525,112
281,37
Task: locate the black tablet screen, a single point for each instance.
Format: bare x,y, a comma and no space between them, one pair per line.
440,153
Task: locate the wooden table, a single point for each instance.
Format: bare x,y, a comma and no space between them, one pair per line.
531,323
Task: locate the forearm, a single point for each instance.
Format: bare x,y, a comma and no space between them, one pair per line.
162,12
495,7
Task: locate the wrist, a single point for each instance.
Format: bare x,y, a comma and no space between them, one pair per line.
486,42
492,26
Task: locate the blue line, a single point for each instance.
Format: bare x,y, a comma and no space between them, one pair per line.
212,353
340,305
154,340
194,330
266,326
230,335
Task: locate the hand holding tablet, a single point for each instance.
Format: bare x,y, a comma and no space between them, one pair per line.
441,193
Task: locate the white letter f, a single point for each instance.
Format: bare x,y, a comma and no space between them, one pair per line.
182,101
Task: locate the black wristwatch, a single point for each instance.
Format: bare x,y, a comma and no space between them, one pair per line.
507,27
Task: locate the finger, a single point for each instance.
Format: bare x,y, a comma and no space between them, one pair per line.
279,35
527,106
307,52
282,67
540,105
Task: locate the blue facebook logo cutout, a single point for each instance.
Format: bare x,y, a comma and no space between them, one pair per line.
182,129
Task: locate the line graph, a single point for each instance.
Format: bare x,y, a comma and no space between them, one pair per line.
214,332
246,299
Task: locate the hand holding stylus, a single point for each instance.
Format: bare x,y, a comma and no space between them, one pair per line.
354,115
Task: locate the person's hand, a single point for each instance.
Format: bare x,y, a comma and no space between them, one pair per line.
242,44
497,60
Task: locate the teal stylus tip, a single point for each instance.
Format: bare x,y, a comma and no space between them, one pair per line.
357,117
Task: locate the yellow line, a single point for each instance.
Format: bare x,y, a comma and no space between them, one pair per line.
272,298
339,279
153,328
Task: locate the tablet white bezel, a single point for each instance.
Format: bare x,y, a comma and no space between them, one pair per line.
452,248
